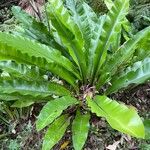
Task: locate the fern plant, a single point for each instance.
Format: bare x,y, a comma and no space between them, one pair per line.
89,61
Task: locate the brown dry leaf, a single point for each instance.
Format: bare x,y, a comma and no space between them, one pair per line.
113,146
64,145
32,7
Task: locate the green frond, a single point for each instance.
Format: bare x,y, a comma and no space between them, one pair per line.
35,30
33,48
111,28
135,75
95,40
119,116
21,70
9,53
53,109
52,137
33,88
69,33
80,129
121,56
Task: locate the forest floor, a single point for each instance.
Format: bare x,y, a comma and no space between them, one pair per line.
101,136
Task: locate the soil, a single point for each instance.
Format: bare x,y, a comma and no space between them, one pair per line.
8,3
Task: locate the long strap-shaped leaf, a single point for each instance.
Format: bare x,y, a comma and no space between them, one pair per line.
63,15
21,71
53,109
80,128
55,132
69,33
30,23
122,55
33,88
116,43
7,97
119,116
90,25
33,48
23,103
34,29
85,18
8,53
111,26
18,97
95,40
138,74
126,24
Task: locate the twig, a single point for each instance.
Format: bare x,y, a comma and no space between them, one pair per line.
34,9
38,10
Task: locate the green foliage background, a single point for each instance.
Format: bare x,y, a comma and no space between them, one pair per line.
139,13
